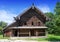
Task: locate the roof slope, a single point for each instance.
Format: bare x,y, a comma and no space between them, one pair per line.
32,11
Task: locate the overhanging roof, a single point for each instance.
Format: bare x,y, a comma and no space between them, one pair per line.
28,27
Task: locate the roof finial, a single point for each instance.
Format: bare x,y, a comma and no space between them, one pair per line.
32,5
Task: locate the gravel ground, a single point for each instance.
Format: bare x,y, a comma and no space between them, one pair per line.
20,41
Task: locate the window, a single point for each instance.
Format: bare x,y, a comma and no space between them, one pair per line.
25,23
32,23
39,24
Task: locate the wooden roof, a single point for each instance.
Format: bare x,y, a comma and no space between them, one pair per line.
32,11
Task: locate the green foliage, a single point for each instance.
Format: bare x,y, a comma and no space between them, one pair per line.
49,14
50,23
0,28
57,8
2,25
54,23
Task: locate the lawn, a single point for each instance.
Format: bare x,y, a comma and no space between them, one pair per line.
51,37
1,37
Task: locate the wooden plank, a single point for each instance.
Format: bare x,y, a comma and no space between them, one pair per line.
29,33
36,33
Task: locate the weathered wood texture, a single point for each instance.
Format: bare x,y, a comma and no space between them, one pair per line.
32,17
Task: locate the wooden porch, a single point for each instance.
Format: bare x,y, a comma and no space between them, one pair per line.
28,32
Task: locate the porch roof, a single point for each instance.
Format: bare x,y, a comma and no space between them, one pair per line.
29,27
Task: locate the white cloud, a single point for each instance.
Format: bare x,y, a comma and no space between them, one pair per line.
44,8
6,16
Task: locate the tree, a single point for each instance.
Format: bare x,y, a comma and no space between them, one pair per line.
50,24
49,15
54,24
2,25
57,19
57,8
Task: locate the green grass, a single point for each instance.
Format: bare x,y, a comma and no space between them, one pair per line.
1,37
51,37
37,39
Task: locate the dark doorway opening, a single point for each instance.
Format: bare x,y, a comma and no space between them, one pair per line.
15,32
39,23
32,33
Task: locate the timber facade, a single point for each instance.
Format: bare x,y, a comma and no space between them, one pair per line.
30,23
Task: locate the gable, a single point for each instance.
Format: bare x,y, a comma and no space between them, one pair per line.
35,21
30,13
28,16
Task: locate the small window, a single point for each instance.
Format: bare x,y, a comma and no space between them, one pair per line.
39,24
25,23
32,23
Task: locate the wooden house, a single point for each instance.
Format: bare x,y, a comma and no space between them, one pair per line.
29,23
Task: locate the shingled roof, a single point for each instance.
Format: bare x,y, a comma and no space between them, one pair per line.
32,11
25,16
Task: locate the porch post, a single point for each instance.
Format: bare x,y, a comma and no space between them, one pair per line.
29,33
11,33
36,33
46,33
18,33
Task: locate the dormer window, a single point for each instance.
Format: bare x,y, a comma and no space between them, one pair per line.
25,23
32,23
39,23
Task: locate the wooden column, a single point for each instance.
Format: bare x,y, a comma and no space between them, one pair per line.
10,32
46,32
36,33
29,33
18,33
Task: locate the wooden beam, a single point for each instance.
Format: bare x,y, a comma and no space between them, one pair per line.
36,33
10,32
18,33
46,32
29,33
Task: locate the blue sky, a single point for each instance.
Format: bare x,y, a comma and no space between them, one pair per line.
11,8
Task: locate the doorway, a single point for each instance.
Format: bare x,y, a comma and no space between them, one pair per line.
15,33
32,33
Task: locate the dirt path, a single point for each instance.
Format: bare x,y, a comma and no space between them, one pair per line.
20,41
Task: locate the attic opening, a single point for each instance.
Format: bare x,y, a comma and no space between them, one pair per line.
25,23
39,23
32,23
15,32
